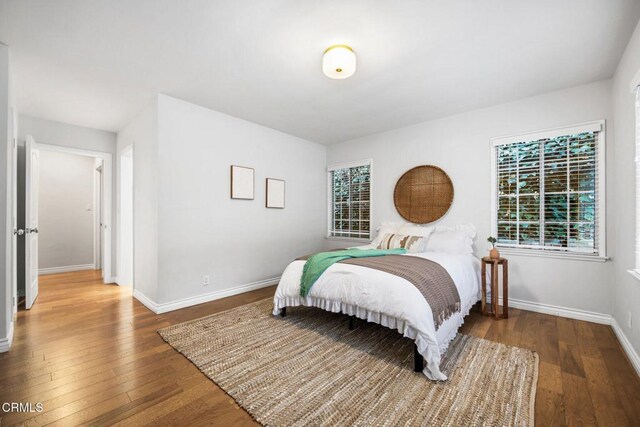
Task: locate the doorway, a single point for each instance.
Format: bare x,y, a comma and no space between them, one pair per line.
67,199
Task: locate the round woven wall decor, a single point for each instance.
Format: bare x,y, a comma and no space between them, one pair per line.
423,194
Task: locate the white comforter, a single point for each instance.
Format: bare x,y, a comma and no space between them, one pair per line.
388,300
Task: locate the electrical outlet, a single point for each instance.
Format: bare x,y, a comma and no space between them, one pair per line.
205,280
629,320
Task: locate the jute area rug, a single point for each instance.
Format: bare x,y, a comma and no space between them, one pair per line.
310,369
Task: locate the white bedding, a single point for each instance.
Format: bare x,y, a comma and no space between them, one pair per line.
388,300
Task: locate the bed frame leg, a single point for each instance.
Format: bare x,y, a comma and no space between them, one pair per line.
418,360
350,323
283,312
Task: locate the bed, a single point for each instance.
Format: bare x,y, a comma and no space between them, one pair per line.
392,301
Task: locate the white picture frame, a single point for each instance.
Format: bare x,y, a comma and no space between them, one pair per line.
242,183
275,193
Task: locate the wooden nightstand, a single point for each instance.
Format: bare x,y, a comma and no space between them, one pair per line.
494,263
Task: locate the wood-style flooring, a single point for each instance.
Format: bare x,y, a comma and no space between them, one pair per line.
90,353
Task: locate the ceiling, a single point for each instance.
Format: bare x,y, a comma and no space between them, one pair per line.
96,63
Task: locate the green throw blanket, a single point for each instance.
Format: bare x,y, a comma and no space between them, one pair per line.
318,263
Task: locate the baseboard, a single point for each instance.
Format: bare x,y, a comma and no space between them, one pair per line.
632,354
201,299
65,269
145,301
555,310
5,343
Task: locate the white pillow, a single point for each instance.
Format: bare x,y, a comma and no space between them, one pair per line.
456,239
385,228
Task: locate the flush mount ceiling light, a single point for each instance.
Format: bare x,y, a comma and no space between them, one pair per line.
339,62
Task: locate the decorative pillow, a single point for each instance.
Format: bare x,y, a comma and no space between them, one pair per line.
456,239
386,227
416,230
413,244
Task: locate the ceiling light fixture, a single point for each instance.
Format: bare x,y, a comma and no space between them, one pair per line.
339,62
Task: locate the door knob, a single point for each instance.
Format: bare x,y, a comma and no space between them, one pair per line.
19,232
32,230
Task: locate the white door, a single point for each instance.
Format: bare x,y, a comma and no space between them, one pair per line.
14,210
32,172
97,215
101,218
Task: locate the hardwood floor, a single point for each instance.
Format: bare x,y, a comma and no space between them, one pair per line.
90,353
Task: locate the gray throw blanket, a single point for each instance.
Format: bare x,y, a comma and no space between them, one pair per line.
431,279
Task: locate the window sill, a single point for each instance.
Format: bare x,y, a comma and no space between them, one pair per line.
349,239
557,255
634,273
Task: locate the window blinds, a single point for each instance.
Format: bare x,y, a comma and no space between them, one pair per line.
350,201
547,192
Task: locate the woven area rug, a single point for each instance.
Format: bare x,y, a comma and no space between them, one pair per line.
310,369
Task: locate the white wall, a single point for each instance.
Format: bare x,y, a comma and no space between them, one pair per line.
65,135
66,209
125,224
6,200
627,289
201,230
460,145
185,224
142,133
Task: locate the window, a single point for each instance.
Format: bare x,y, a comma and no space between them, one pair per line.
350,200
549,191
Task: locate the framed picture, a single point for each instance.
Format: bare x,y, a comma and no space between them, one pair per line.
242,182
275,193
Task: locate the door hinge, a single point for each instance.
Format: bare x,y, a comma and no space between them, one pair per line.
14,143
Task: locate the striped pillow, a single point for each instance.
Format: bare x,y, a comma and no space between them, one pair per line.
412,244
